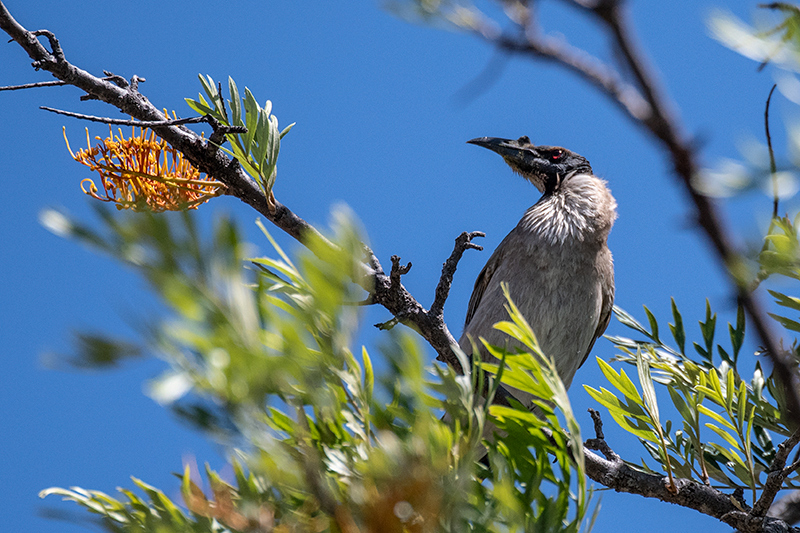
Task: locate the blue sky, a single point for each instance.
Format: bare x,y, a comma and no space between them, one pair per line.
383,109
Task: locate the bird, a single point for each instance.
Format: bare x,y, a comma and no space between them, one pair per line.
556,261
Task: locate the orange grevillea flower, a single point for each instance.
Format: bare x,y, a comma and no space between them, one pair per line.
144,173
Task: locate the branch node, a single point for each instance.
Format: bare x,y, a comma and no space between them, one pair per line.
398,270
389,324
599,442
135,80
217,137
119,81
55,46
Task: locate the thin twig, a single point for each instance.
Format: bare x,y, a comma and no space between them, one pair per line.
772,168
124,122
463,243
599,442
33,85
777,475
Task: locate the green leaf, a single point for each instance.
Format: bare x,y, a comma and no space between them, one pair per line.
678,332
261,145
787,323
737,333
786,301
200,107
253,116
620,381
716,416
730,439
648,390
235,103
287,129
707,329
369,375
653,324
627,319
680,404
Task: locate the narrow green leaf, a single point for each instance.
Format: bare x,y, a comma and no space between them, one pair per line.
287,129
724,355
653,325
785,301
369,375
648,390
680,404
787,323
737,333
627,319
730,439
235,104
200,107
274,149
620,381
261,144
716,416
678,332
708,327
252,116
703,353
730,390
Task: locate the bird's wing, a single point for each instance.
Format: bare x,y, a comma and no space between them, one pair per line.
480,285
605,316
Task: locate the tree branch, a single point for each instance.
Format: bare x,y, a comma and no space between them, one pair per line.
778,472
386,290
643,102
463,243
55,83
123,122
615,474
662,124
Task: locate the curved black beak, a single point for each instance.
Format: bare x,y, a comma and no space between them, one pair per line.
504,147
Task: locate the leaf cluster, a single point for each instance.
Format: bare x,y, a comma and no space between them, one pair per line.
727,422
258,147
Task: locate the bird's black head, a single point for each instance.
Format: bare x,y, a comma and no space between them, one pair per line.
544,166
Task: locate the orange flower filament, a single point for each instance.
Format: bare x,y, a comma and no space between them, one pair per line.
144,173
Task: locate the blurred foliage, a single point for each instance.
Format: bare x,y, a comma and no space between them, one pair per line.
260,356
774,40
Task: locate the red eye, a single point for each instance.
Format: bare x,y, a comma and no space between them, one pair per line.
556,155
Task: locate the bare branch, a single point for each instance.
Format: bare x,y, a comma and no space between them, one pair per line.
599,442
123,122
777,475
32,85
463,243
